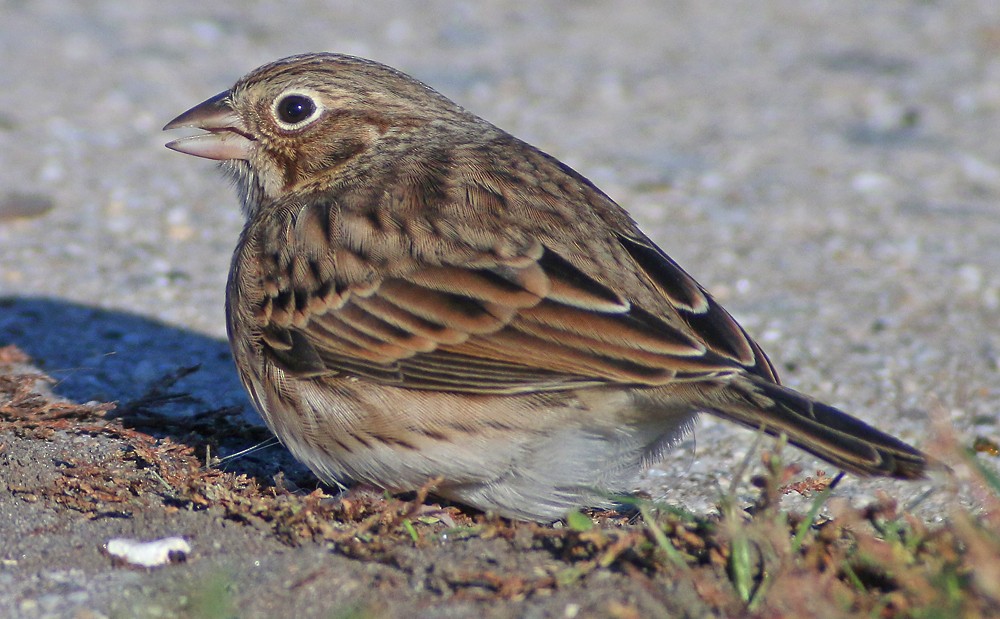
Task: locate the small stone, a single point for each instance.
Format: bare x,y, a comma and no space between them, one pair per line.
18,205
149,554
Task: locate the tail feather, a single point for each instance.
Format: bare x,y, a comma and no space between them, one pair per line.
826,432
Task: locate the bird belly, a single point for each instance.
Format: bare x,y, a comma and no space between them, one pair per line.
531,456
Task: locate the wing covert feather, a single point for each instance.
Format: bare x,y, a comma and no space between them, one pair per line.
503,310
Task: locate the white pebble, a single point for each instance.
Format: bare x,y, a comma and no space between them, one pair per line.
970,278
149,554
870,182
980,172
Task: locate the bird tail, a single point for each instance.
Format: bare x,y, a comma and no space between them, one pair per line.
825,432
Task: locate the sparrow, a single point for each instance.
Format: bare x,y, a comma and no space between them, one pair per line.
417,294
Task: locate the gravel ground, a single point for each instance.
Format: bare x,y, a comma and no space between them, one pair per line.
830,171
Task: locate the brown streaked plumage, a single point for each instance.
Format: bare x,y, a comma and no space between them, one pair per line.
418,294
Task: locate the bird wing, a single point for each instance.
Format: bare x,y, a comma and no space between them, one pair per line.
492,310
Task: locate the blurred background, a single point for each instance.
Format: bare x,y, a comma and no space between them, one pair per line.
831,171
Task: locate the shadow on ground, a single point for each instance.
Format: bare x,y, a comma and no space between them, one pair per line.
97,354
111,356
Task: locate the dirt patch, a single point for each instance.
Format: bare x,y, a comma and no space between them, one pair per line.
76,476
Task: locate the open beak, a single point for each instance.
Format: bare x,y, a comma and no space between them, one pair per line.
227,136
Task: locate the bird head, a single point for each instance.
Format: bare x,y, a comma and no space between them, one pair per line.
299,122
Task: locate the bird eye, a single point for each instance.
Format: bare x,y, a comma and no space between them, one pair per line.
294,110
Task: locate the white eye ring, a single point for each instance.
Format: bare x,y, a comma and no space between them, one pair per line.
294,109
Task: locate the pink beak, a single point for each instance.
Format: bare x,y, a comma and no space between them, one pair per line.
227,136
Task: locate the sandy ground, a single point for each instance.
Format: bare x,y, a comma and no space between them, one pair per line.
829,170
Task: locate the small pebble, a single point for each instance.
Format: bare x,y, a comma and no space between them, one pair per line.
18,205
149,554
